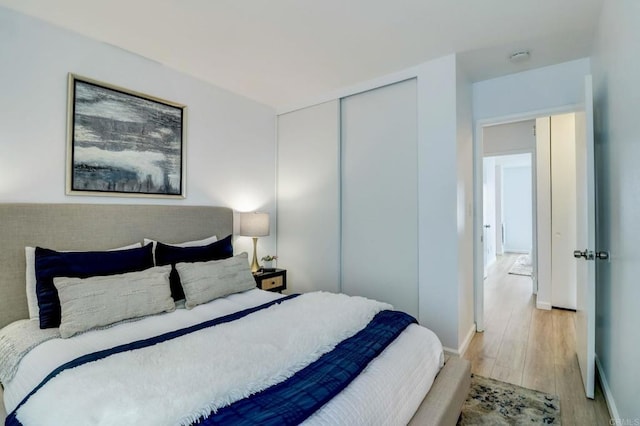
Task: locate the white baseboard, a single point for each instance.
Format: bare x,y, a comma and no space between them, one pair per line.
543,305
449,351
465,343
467,340
608,396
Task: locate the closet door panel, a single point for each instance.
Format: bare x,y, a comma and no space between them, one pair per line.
308,197
563,211
379,208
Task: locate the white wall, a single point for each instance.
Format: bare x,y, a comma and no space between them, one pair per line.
438,249
517,208
464,138
546,88
230,139
509,138
616,71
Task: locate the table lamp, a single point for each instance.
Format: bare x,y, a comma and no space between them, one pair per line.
254,225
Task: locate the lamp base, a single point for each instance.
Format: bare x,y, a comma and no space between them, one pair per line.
254,263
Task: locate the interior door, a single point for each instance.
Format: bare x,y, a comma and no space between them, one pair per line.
489,212
586,224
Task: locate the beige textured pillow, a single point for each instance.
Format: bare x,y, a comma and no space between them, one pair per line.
32,297
205,281
99,301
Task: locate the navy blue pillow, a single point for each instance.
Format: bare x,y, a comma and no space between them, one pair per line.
170,255
50,264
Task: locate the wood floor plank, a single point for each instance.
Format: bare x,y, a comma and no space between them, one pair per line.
507,374
531,347
482,352
568,380
539,371
602,416
576,411
564,336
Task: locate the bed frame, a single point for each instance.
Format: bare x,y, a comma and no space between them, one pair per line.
105,226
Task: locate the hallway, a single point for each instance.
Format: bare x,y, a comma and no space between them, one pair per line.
530,347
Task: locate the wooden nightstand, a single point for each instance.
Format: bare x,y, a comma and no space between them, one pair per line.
271,281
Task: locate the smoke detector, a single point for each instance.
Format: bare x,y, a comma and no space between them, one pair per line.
520,56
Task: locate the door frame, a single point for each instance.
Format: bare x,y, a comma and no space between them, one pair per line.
478,248
484,221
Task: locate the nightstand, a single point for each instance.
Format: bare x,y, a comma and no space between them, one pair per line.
271,281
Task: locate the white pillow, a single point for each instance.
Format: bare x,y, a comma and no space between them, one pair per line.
206,281
32,298
93,302
195,243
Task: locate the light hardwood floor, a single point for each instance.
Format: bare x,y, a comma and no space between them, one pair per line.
530,347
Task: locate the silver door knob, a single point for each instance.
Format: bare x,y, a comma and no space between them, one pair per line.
602,255
586,254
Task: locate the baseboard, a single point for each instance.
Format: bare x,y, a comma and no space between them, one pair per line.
543,305
467,340
608,395
450,352
465,344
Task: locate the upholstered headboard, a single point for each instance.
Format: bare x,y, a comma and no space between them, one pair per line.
90,227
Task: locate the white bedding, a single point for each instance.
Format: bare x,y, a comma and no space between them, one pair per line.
388,391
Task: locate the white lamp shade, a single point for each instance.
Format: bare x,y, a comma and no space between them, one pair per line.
254,224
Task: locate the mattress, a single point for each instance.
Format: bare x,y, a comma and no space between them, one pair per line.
388,391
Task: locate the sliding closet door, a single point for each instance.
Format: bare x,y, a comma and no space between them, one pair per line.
379,206
308,196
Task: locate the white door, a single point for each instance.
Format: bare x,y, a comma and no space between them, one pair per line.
564,208
489,211
379,195
586,241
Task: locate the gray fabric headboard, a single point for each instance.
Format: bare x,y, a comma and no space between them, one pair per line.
91,227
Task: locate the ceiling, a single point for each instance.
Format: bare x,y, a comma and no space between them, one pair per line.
284,52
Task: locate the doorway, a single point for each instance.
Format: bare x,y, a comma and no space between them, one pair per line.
508,209
503,139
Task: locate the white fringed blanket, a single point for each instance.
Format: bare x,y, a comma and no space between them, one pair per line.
16,340
207,369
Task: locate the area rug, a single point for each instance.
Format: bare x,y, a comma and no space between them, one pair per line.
492,402
522,266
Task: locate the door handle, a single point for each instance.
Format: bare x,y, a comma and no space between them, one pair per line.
487,226
602,255
586,254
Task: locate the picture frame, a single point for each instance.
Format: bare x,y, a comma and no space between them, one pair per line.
123,143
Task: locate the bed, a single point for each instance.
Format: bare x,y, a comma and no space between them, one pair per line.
403,382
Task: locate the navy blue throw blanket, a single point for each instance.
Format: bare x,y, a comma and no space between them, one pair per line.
289,402
294,400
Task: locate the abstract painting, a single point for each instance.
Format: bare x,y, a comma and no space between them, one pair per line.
123,143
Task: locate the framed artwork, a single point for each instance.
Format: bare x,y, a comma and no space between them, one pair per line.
123,143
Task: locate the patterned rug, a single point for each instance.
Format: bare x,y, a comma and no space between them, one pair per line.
522,266
492,402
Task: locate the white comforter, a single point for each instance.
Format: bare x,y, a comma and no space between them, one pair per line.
388,391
